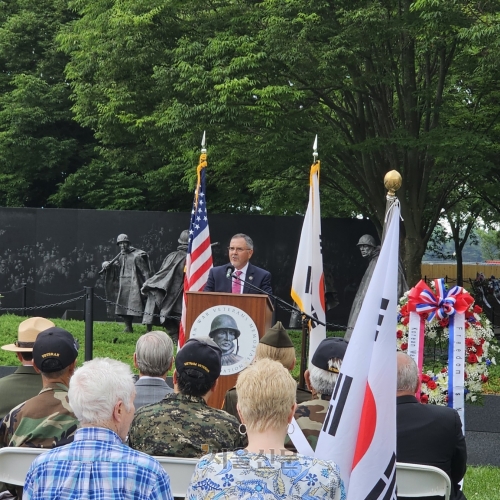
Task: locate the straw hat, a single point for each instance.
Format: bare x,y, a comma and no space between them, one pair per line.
27,333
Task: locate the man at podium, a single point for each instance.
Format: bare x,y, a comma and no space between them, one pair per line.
235,277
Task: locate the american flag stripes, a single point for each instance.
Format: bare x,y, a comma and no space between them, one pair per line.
199,254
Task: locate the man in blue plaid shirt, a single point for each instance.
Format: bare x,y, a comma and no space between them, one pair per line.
97,464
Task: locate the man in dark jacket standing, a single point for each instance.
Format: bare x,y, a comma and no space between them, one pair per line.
428,434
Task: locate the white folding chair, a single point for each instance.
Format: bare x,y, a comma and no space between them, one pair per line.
180,471
15,462
415,480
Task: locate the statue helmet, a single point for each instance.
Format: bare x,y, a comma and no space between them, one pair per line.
367,239
184,237
226,322
121,238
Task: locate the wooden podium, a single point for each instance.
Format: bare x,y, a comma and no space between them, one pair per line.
258,307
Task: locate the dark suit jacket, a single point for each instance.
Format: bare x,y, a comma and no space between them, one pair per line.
217,281
431,435
150,390
25,383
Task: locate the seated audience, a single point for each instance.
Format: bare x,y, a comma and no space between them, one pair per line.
266,404
46,420
275,344
153,357
428,434
320,379
182,424
97,465
25,382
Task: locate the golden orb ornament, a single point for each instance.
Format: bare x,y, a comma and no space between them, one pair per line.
392,182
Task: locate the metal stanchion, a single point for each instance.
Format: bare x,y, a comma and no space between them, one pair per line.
25,291
89,322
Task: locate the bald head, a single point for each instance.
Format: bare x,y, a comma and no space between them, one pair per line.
407,375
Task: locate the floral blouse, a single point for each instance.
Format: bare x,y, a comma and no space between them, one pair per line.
243,475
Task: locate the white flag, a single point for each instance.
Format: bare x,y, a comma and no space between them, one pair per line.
359,432
308,285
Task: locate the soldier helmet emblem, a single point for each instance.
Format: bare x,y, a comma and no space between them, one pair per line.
226,322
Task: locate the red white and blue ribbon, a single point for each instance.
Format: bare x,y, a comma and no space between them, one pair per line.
423,304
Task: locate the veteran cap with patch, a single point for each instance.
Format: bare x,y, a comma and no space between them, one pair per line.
277,337
201,354
330,348
54,350
27,333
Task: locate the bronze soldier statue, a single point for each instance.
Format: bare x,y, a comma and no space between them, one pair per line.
370,250
124,277
164,290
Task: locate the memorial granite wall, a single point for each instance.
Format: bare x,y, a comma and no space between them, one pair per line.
57,252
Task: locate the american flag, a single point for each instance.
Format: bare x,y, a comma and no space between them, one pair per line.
199,254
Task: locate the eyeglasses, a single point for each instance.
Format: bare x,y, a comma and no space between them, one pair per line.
237,250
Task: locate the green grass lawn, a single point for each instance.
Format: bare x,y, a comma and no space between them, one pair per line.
482,483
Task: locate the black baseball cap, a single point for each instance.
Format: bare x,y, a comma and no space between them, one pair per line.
54,350
201,354
332,347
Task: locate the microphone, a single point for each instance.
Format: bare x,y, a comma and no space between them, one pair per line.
229,271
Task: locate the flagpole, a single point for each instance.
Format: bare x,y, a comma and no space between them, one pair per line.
392,182
305,318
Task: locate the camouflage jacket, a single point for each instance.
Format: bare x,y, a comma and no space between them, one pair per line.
184,426
310,417
45,421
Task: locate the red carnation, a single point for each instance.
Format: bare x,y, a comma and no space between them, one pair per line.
444,370
405,320
479,350
446,399
484,378
404,346
399,334
472,358
467,325
478,309
425,378
481,341
469,342
431,385
444,322
466,375
424,398
404,310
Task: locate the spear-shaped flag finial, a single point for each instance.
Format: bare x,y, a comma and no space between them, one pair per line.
203,148
315,149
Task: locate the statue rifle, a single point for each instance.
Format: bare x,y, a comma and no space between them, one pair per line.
110,262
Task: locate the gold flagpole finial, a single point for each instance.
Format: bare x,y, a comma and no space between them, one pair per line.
392,182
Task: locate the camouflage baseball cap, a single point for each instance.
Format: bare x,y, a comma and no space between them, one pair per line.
54,350
201,354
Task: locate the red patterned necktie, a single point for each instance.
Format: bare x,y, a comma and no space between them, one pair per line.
236,282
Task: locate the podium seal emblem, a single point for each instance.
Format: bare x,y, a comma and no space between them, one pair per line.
233,330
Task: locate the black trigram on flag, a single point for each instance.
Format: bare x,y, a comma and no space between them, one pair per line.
385,489
383,308
341,391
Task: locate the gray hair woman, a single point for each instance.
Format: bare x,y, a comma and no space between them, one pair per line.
266,405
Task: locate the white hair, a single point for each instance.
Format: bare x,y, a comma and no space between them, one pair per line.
97,386
154,352
323,381
407,373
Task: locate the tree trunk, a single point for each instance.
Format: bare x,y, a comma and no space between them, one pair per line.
414,251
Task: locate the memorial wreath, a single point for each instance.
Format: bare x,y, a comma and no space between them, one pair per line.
480,348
